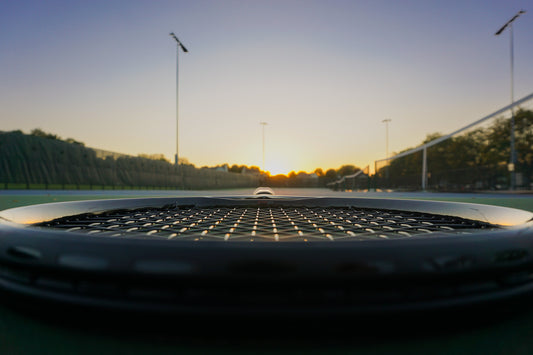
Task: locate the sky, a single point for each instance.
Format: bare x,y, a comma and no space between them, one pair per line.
323,75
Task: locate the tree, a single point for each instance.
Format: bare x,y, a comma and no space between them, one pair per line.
235,168
330,176
319,172
40,133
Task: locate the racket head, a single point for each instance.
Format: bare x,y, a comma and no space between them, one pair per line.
348,256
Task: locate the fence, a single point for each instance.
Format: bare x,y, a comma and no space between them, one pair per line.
27,161
360,180
475,157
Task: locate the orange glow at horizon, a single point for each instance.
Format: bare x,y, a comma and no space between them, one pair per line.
277,171
278,166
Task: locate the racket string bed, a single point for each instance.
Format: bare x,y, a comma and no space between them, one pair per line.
273,223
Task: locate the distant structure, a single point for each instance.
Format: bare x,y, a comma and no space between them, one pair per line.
223,168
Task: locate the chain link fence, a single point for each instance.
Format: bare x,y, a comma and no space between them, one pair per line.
27,161
475,157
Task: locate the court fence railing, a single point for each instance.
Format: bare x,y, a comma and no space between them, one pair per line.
27,161
360,180
475,157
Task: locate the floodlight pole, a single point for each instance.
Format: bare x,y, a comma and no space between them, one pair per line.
512,163
179,45
263,124
424,168
386,121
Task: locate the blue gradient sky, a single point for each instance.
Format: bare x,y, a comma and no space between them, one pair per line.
323,74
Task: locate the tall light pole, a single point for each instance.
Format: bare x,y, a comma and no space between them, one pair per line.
512,162
179,45
386,121
263,124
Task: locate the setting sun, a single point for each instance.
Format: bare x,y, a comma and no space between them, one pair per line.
278,166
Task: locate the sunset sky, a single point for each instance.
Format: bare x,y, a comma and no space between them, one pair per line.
322,74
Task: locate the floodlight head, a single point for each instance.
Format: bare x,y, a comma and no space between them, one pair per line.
510,22
178,41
